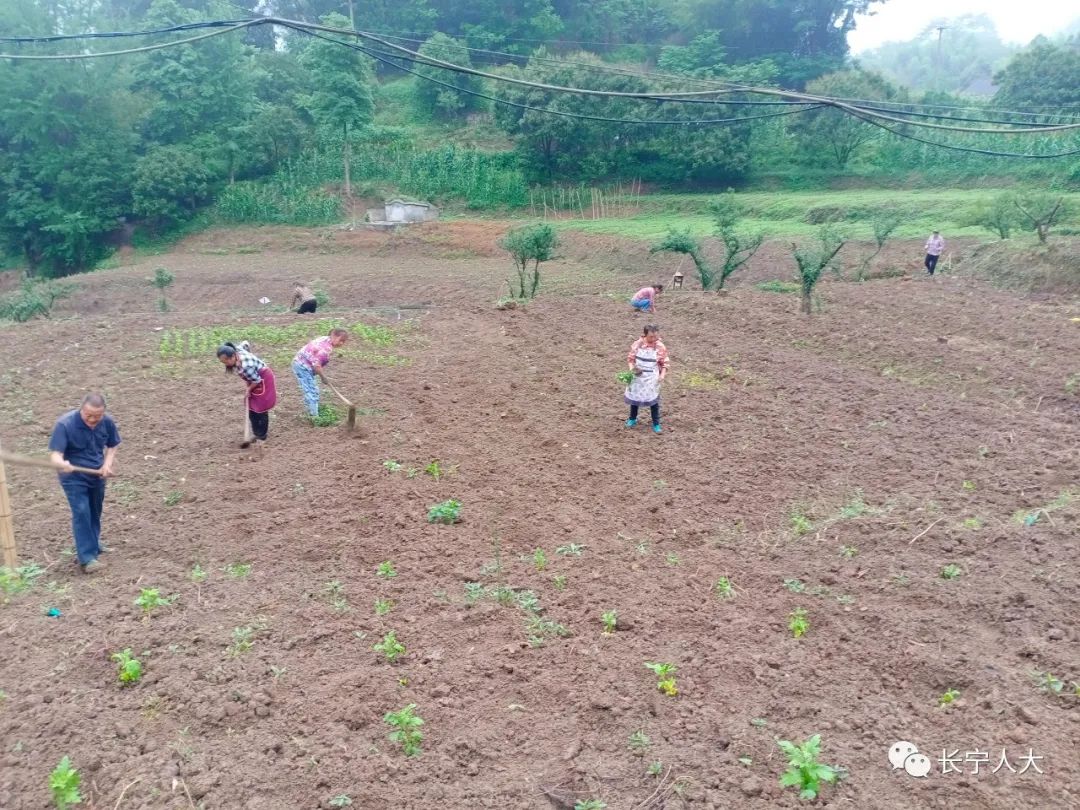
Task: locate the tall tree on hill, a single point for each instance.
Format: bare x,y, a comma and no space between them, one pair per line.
342,99
437,101
1041,74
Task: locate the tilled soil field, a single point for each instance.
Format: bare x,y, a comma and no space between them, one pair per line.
902,466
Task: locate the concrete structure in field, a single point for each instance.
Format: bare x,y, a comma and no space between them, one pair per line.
401,212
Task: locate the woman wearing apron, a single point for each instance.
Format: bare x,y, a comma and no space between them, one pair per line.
648,359
261,390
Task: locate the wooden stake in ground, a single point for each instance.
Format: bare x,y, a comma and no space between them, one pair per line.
350,421
247,426
7,529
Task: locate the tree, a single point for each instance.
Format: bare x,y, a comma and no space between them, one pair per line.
530,243
997,216
437,101
162,280
342,98
883,223
1041,74
812,260
684,242
834,132
1041,212
171,184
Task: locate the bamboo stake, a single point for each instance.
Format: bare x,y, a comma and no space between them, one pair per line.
7,529
27,461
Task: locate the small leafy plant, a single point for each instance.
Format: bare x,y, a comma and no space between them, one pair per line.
799,623
804,771
163,279
434,470
383,606
64,784
724,589
625,377
243,640
341,800
560,582
392,465
540,559
949,696
848,552
1048,682
610,619
570,550
406,731
335,593
655,768
328,416
151,598
197,575
238,570
128,667
589,804
951,571
390,647
446,512
386,570
174,497
665,677
800,523
639,742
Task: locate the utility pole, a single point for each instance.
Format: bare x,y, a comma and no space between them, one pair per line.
940,30
352,18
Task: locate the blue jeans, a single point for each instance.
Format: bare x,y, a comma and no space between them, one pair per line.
86,496
641,304
309,387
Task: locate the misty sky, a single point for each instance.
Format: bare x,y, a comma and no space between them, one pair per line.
898,20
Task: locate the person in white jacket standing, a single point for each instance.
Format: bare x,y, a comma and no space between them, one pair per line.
935,245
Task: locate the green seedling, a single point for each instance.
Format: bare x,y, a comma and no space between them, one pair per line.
540,559
406,731
197,575
968,486
655,768
571,550
446,512
848,552
1048,682
724,589
150,598
539,630
390,647
949,696
383,606
474,592
747,761
589,804
174,497
64,784
242,640
665,678
625,377
800,523
411,473
335,592
238,570
804,771
328,416
386,570
609,619
971,523
639,743
901,580
14,581
795,585
560,582
434,470
341,800
951,571
278,672
759,722
673,560
128,668
393,466
799,623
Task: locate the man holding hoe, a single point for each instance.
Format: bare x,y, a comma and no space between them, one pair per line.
85,438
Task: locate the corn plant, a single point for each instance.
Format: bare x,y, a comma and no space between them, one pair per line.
798,623
64,784
406,725
386,570
804,771
434,470
128,668
242,640
540,559
951,571
665,677
609,618
724,589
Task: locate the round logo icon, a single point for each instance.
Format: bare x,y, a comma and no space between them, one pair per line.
900,751
917,765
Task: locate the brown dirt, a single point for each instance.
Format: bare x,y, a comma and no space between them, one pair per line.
900,389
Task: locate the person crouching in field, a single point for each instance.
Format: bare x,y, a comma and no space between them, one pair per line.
261,394
644,300
309,363
305,298
648,359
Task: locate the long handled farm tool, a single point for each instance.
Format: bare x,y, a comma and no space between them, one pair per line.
247,426
350,420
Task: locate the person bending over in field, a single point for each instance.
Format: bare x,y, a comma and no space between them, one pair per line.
648,359
303,296
309,363
85,438
261,393
644,300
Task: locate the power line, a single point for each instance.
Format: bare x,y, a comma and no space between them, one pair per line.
143,49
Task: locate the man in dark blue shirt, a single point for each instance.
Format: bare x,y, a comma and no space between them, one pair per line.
85,438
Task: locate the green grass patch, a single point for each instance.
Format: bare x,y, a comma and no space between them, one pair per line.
32,299
328,416
203,341
778,286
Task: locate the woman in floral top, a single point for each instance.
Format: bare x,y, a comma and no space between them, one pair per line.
309,362
261,392
648,359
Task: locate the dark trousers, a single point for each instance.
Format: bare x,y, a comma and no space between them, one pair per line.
260,424
85,495
307,306
931,263
654,411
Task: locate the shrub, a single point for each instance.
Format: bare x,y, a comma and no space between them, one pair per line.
32,299
530,243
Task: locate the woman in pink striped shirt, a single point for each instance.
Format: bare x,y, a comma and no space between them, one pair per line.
644,300
309,362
